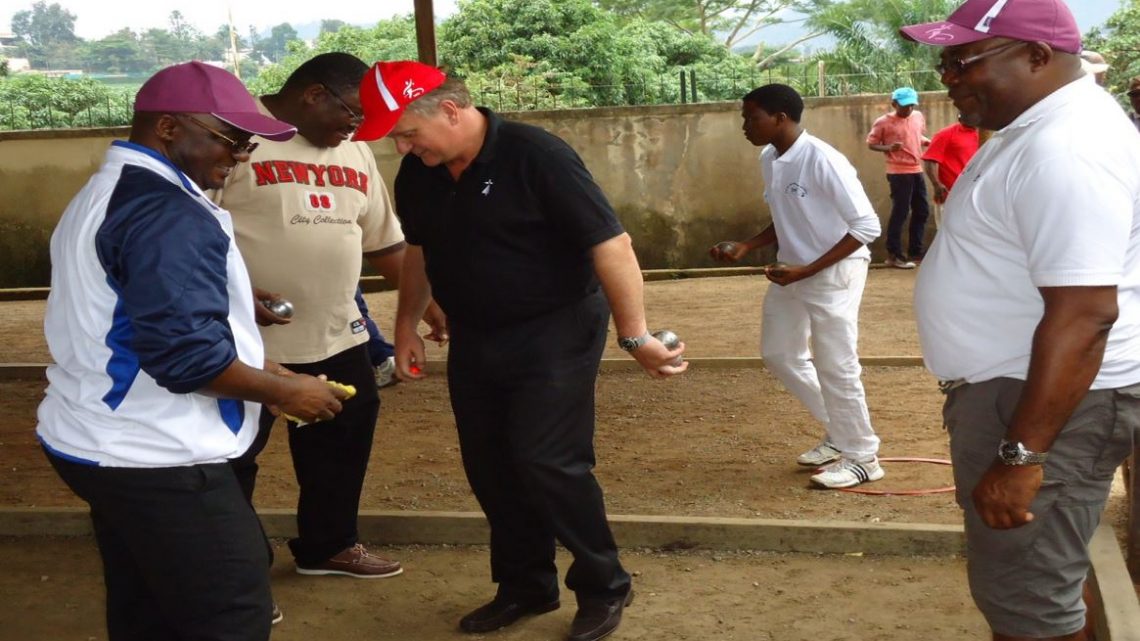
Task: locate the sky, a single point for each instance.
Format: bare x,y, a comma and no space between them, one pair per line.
96,19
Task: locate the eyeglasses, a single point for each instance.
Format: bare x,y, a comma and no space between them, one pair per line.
344,105
959,65
237,147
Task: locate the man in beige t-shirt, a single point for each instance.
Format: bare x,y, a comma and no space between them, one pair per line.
305,213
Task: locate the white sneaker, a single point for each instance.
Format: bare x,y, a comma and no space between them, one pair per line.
277,616
821,454
848,473
386,373
898,262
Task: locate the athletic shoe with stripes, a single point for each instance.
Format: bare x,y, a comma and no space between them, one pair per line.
821,454
848,473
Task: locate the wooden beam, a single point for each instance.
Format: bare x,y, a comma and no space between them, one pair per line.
425,31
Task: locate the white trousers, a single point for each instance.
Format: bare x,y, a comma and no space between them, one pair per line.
820,315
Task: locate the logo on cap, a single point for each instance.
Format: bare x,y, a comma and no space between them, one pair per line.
411,91
941,33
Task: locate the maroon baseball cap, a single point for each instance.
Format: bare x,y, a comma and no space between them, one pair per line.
1048,21
198,88
387,90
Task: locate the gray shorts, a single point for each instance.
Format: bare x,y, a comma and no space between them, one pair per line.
1028,581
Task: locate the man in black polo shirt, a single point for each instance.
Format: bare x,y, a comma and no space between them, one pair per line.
508,231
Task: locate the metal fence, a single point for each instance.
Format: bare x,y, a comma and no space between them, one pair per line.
688,86
59,113
677,87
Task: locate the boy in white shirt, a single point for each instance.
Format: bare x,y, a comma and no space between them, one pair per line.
823,221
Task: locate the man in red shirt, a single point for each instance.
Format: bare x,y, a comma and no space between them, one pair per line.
949,151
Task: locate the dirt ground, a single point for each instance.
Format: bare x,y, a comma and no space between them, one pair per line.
710,443
679,596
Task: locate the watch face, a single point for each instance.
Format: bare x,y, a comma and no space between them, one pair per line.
1009,451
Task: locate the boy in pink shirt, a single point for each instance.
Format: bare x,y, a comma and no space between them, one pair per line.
901,135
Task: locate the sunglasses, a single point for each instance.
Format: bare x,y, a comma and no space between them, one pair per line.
344,105
959,65
242,147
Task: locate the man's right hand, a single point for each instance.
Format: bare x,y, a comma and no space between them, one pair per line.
410,353
728,251
310,398
658,360
940,192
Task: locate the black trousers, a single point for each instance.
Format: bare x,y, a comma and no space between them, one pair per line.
908,195
183,554
523,398
330,459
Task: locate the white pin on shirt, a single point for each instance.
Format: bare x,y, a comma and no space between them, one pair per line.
487,187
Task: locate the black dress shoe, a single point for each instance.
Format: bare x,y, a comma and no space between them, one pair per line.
598,618
503,611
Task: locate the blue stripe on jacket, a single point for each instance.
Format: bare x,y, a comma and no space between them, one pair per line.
166,258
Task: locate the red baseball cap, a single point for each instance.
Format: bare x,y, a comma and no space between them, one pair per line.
195,87
1048,21
386,91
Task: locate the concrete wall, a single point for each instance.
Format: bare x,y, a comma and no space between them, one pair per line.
680,177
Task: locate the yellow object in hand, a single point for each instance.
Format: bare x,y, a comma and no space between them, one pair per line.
349,390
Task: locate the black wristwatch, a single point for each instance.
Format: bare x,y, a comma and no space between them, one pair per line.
1014,453
630,343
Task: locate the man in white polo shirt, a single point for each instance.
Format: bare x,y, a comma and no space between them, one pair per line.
822,219
1028,308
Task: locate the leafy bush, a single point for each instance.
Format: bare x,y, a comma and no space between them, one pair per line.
30,101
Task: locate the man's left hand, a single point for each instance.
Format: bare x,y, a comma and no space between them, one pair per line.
782,274
437,321
1004,494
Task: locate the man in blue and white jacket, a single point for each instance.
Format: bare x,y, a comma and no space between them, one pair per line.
159,367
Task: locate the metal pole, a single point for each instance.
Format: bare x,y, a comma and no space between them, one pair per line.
822,81
683,89
425,31
693,84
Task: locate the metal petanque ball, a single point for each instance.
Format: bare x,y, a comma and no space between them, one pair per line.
670,341
280,307
726,247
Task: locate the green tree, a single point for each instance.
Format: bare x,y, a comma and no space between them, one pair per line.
870,55
48,34
729,22
332,26
570,52
392,39
1118,40
276,46
120,52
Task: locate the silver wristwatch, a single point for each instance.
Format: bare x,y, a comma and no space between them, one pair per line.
1014,453
630,343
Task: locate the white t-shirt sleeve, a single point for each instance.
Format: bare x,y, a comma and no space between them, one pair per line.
1073,217
841,187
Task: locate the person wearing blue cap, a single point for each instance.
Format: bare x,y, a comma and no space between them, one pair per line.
901,136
